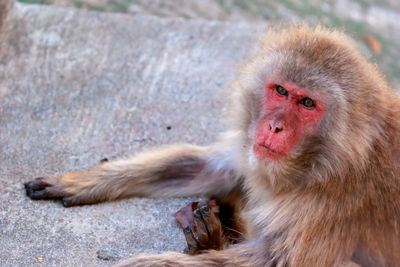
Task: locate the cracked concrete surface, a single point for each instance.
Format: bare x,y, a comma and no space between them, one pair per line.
78,86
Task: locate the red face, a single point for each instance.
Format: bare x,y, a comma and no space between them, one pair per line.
290,114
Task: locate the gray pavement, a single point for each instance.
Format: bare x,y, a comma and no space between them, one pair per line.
77,86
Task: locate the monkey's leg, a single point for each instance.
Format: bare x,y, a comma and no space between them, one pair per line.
244,254
254,253
180,170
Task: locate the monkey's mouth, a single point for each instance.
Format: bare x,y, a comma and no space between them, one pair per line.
263,151
270,150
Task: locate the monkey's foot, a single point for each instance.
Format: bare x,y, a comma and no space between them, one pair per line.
69,192
42,188
201,226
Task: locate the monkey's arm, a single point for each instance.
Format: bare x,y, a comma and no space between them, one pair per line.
178,170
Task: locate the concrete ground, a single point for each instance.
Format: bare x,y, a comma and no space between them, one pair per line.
375,23
78,86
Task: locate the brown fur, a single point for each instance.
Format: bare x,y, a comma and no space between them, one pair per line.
334,200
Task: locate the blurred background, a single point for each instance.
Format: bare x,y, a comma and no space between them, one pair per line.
375,23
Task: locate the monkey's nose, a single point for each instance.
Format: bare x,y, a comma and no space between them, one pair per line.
275,128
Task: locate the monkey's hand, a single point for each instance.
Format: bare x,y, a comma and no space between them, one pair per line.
201,226
74,188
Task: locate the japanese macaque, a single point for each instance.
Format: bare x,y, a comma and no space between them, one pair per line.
308,174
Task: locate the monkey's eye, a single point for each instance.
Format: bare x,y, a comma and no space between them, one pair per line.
281,90
307,102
